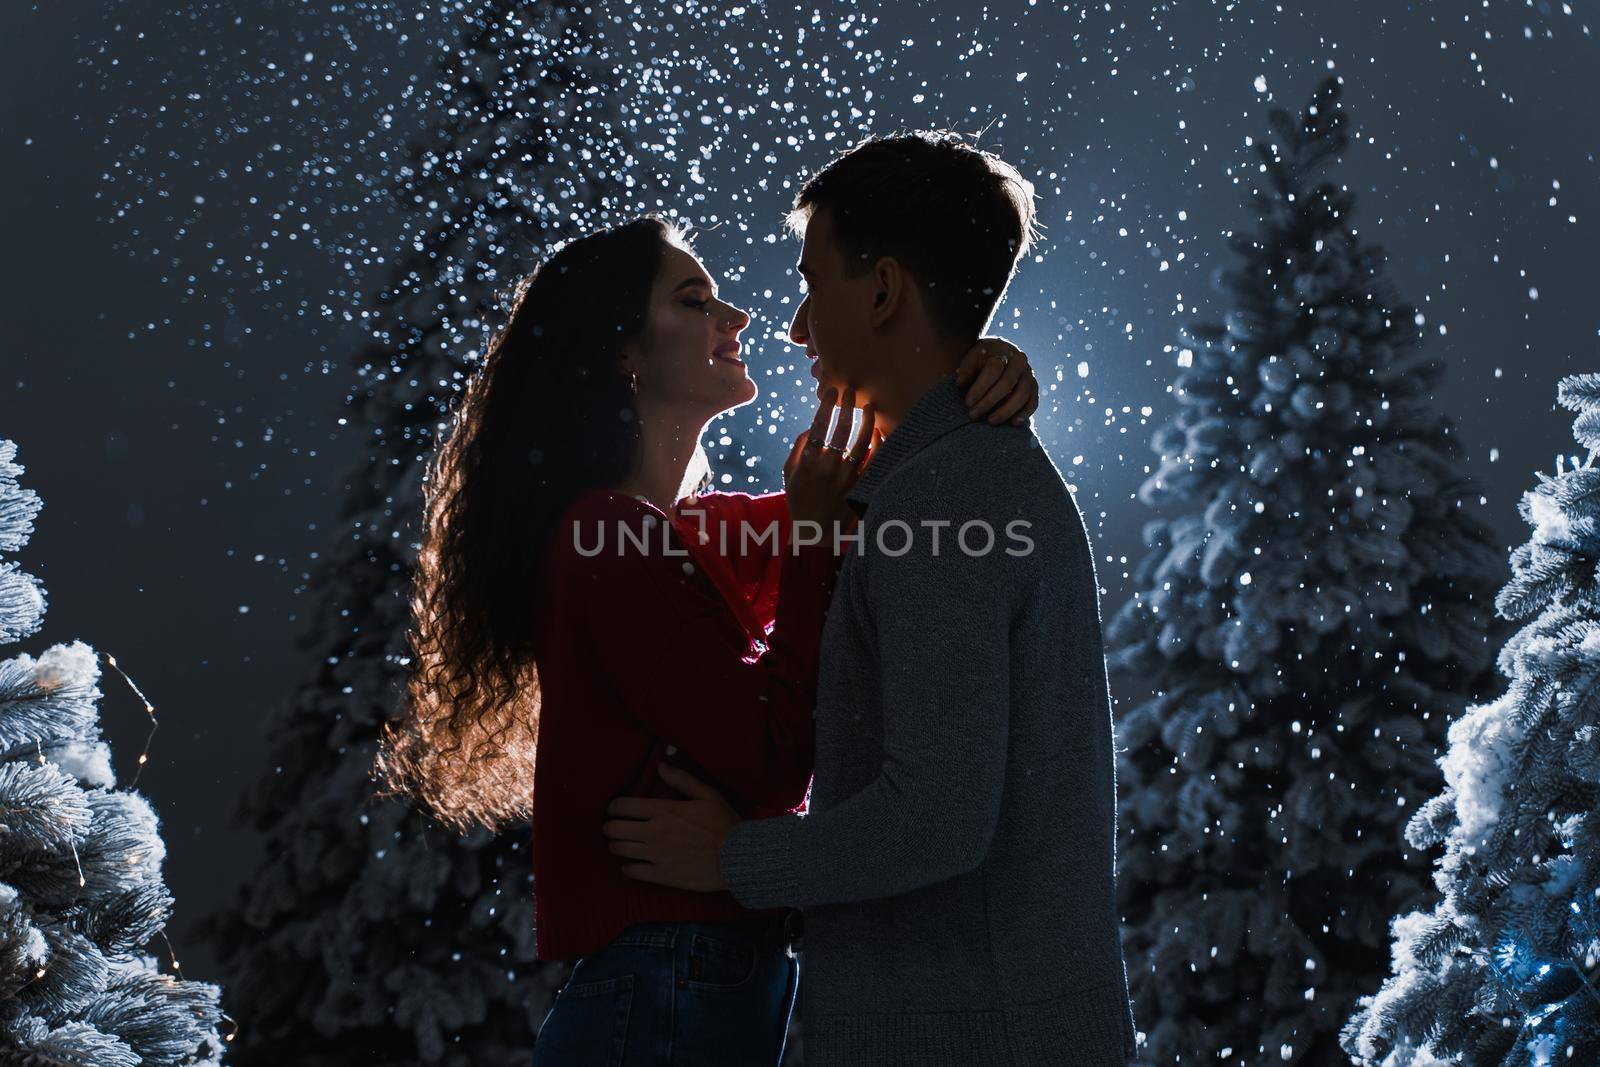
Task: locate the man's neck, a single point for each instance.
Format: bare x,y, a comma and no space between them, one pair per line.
912,371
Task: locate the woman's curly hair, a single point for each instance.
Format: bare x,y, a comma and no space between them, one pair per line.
548,415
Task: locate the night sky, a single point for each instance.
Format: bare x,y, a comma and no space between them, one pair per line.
191,232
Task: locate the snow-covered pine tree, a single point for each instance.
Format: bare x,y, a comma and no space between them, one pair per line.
81,892
1304,628
1503,970
369,935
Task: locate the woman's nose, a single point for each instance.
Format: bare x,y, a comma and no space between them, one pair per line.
738,318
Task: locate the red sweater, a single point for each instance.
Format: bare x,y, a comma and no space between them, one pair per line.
641,651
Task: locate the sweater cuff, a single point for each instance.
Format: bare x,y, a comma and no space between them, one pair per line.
757,861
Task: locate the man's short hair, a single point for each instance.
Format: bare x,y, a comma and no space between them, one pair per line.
956,218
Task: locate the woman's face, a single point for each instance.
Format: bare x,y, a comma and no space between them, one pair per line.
688,354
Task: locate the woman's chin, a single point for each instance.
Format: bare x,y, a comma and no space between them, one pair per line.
741,395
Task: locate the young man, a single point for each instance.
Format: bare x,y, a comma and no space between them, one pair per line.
956,866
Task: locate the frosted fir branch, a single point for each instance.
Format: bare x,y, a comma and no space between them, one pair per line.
164,1020
1506,957
1577,489
42,811
72,1044
49,700
22,598
124,846
23,948
129,920
74,973
88,762
9,468
19,507
1579,392
22,604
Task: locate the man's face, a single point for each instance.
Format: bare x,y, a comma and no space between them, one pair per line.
833,321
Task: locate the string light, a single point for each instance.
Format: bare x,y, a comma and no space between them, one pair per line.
179,970
39,752
149,709
144,758
173,953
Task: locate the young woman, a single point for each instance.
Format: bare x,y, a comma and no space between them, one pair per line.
580,614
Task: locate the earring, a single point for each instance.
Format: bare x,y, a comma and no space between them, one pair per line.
633,382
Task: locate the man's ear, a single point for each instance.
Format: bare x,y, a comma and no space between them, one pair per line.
889,281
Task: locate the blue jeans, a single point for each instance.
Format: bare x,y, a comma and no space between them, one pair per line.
674,995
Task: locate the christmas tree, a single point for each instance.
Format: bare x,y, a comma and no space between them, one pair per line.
81,893
1502,970
370,934
1310,616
